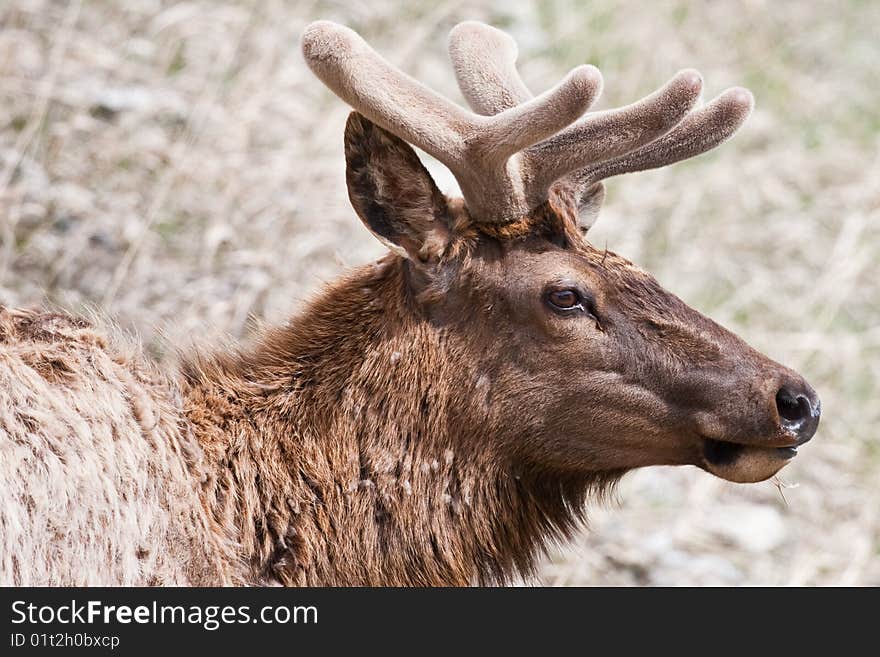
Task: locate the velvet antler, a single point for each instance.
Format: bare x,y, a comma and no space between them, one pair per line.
479,150
658,130
508,154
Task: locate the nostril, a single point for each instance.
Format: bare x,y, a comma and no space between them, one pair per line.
799,410
793,408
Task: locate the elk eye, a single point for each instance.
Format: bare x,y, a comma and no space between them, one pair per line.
564,299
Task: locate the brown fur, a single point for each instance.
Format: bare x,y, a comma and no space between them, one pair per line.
365,456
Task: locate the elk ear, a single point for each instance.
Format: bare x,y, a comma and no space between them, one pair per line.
589,202
393,193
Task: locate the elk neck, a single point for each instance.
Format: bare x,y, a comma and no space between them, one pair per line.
354,446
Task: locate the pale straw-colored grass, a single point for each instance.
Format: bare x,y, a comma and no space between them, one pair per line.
177,166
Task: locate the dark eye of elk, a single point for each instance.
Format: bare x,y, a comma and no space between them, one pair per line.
564,299
567,301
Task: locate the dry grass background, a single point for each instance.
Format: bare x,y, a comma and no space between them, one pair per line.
176,165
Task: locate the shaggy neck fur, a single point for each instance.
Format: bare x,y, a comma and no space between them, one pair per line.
351,447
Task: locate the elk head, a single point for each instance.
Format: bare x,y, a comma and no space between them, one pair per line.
590,365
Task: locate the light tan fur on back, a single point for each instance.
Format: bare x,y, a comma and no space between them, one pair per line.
98,471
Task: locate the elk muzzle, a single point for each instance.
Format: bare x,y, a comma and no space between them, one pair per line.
795,410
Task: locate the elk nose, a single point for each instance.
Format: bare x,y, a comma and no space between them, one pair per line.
799,410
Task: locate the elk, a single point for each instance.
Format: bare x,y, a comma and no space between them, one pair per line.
432,418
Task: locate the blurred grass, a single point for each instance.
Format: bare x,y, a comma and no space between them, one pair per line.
175,164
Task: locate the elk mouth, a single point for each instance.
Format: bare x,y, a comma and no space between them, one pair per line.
743,463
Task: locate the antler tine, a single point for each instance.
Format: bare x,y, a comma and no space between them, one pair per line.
485,65
701,131
658,130
538,119
484,60
363,79
605,135
475,148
